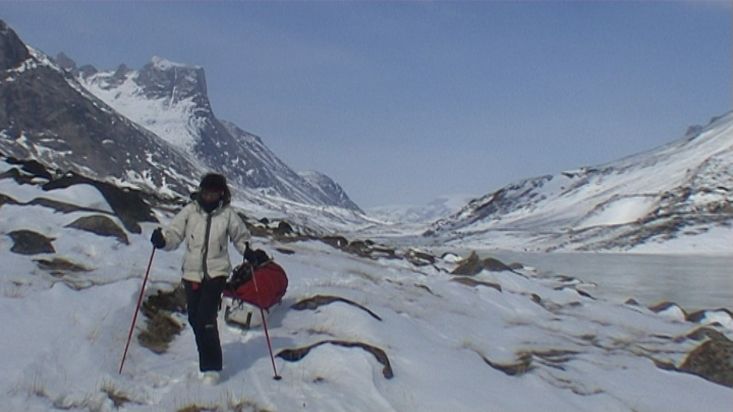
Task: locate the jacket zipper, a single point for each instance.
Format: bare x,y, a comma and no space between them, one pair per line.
206,246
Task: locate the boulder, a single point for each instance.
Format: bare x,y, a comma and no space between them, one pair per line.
469,267
712,360
473,265
419,258
28,242
338,242
284,229
100,225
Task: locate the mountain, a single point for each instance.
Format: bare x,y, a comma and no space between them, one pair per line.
680,190
436,209
329,189
47,115
170,99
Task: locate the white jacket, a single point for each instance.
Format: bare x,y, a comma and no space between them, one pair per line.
196,226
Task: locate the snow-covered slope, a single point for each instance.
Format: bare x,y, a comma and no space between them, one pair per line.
681,189
170,100
413,337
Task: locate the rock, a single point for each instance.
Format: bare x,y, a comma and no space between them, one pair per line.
317,301
12,50
283,229
495,265
632,302
699,315
712,360
28,242
127,204
100,225
360,248
59,266
7,200
670,308
473,265
473,282
522,365
469,267
418,258
450,257
294,355
338,242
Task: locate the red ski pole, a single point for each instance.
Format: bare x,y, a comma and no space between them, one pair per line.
137,309
264,324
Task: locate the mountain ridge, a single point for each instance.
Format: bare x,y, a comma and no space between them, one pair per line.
656,195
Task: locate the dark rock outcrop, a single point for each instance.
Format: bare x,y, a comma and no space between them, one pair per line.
294,355
127,204
100,225
12,50
522,365
473,265
284,229
59,266
712,360
28,242
317,301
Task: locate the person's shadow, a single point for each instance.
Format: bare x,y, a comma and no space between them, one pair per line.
240,356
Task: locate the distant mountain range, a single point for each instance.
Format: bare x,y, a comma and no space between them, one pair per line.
153,128
684,188
436,209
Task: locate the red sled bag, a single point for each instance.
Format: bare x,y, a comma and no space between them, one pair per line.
265,288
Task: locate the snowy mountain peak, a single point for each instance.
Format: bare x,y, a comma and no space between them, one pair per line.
161,63
177,82
328,188
170,100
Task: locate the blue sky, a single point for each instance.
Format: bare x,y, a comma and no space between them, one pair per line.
402,102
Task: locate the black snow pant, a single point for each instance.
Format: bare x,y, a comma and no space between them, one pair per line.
203,301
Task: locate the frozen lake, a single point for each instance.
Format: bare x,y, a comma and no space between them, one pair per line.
694,282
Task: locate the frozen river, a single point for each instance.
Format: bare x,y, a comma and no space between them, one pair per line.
694,282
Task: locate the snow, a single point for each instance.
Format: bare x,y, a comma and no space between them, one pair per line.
175,123
63,346
165,64
620,210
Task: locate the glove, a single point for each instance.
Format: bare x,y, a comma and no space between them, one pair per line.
157,238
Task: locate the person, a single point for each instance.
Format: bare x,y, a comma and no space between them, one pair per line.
207,224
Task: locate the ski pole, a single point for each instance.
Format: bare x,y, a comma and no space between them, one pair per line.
137,308
264,324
